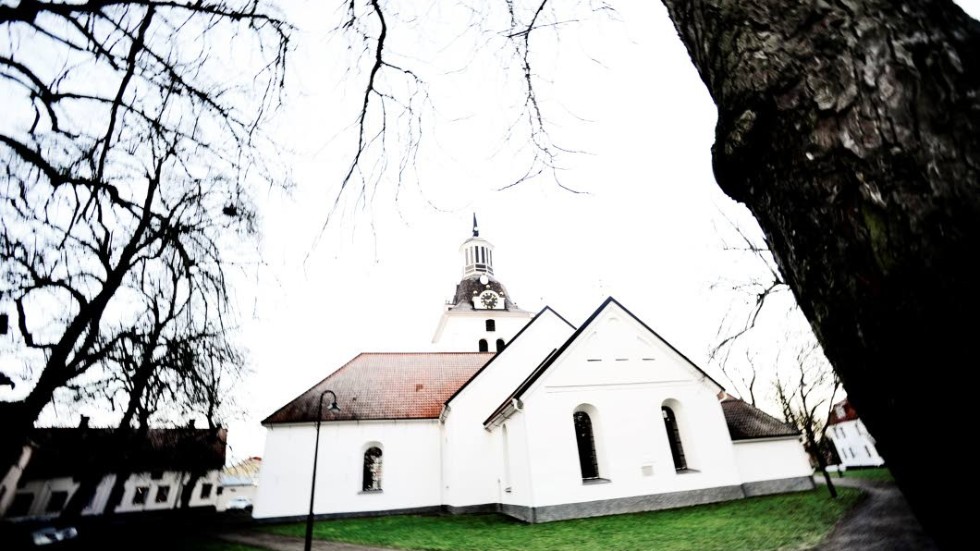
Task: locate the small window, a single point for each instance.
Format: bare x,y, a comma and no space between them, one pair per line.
372,470
674,437
500,344
163,492
867,450
156,475
206,490
491,325
56,502
587,459
21,505
484,347
221,490
140,495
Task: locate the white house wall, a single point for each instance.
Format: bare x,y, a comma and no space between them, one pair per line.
174,480
855,446
410,468
770,459
473,458
43,489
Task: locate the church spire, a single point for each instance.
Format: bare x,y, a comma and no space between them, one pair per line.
477,253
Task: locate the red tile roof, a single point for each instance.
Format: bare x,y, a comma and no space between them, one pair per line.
386,386
845,407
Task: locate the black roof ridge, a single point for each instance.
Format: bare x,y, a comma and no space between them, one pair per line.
555,354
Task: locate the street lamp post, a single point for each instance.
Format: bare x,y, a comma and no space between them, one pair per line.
316,449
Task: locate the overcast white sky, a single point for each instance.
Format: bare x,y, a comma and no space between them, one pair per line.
623,92
620,90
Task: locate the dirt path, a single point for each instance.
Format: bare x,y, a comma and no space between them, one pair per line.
882,522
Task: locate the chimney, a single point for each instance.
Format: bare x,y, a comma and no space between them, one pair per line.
190,424
83,422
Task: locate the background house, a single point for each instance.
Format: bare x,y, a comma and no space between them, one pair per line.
239,480
854,444
158,467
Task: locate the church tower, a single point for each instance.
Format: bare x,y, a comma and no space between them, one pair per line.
481,317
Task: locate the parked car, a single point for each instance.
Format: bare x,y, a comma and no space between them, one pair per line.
53,534
32,535
240,503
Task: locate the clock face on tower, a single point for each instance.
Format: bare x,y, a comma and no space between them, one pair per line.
489,300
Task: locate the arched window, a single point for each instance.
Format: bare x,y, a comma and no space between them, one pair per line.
586,445
674,437
372,470
500,344
484,347
491,325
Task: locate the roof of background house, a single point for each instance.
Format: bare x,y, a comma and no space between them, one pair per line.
393,385
243,473
842,411
70,451
746,422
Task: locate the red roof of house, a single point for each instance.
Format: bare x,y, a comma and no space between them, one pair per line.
844,406
71,451
394,385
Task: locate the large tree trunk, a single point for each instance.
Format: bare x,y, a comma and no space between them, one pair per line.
851,130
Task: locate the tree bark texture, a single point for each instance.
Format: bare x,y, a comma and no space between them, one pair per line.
851,130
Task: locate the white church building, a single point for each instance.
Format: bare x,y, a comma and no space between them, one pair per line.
527,415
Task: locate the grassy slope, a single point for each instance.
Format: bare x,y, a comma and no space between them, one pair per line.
871,474
793,521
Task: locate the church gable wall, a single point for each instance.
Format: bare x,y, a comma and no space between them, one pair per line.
473,458
623,392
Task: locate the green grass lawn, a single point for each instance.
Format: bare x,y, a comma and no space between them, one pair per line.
880,473
789,521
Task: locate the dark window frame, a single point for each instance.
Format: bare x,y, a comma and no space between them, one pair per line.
162,495
674,438
500,345
21,505
588,460
206,490
373,472
484,346
56,501
491,326
140,495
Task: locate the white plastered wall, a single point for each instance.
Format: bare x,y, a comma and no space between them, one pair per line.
771,459
624,373
461,331
855,446
410,467
473,458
